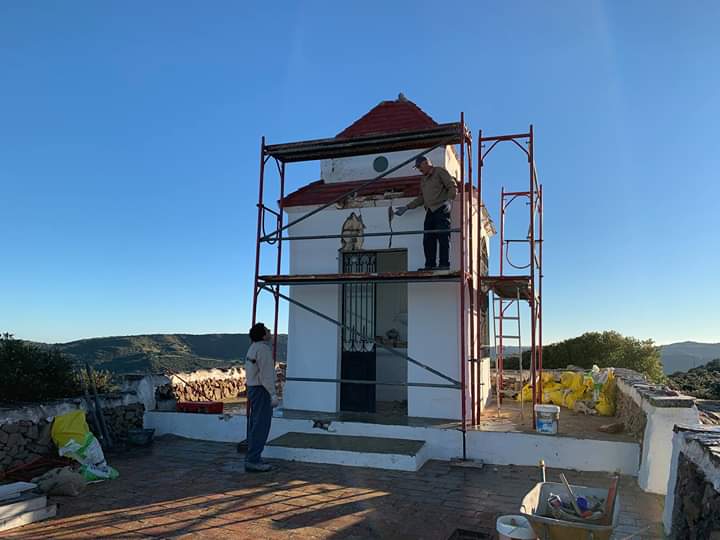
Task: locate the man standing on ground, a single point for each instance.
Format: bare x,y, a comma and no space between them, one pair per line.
260,382
437,191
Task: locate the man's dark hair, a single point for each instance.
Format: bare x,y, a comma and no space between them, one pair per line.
257,332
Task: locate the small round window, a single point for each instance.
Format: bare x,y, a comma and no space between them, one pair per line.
380,164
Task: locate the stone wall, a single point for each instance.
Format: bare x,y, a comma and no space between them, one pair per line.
25,431
631,415
696,512
656,410
212,384
23,442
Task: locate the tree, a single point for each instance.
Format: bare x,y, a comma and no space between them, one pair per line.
29,373
604,349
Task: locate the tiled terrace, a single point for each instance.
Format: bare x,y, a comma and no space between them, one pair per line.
192,489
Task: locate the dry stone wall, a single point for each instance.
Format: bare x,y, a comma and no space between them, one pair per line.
631,415
696,513
213,384
25,431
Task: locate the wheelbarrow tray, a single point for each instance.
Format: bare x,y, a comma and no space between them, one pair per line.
534,506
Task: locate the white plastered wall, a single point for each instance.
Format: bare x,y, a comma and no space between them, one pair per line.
433,311
657,448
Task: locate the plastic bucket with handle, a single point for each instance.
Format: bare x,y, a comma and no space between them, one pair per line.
514,528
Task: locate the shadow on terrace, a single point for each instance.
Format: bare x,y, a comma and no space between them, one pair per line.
194,489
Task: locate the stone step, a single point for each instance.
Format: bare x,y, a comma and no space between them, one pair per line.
349,450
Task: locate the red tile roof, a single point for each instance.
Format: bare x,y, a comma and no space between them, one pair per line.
320,192
389,117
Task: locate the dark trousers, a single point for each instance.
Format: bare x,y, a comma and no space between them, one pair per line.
437,220
258,423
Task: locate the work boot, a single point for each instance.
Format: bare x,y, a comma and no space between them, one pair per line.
257,467
426,269
443,267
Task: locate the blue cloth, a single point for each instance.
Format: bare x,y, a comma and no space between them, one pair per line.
258,423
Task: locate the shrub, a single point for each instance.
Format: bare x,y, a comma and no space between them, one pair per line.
604,349
702,382
29,373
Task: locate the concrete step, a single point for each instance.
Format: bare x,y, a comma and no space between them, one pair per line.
349,450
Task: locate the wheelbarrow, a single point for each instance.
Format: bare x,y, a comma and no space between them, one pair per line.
535,508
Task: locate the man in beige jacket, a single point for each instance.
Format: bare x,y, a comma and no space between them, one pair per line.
260,382
437,191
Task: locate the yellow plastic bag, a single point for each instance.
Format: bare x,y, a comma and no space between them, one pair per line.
73,438
69,426
605,407
606,404
526,393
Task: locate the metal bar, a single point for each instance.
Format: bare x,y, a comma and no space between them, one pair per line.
363,235
517,193
259,229
337,279
540,278
354,190
370,144
356,381
497,363
501,355
471,288
537,391
281,170
520,360
506,137
463,282
367,338
268,209
481,243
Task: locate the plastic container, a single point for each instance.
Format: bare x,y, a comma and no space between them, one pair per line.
514,528
201,407
140,437
547,419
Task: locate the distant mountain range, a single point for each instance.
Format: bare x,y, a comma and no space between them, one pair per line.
687,355
159,352
182,352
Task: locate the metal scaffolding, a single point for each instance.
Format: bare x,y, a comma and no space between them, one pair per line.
471,336
518,282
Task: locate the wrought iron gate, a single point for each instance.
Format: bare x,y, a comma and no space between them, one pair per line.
358,346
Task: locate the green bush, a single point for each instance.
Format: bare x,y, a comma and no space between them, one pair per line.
604,349
702,382
104,381
29,373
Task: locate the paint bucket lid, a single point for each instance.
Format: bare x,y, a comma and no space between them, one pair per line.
547,409
515,528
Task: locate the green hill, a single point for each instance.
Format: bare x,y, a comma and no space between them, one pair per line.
157,352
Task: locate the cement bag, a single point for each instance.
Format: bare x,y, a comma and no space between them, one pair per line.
606,402
526,393
552,392
73,438
604,407
556,397
61,481
575,382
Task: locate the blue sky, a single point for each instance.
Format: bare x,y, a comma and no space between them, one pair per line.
129,136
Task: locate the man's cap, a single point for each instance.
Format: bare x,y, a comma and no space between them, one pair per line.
419,160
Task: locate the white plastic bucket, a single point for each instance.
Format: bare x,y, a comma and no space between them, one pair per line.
514,528
547,419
